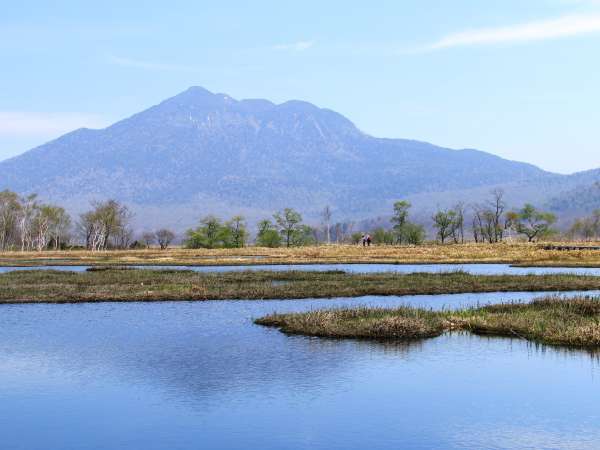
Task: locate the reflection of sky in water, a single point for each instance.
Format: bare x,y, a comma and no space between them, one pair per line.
509,435
201,375
480,269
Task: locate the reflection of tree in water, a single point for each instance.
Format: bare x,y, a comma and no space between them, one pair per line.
400,348
566,352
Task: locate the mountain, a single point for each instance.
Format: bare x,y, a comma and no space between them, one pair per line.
199,153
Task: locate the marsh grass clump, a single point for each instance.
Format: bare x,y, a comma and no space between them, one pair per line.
156,285
374,323
552,320
131,285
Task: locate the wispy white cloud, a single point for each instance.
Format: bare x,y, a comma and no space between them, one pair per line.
148,65
580,2
19,123
565,26
299,46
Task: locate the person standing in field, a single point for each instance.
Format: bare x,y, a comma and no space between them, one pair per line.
368,240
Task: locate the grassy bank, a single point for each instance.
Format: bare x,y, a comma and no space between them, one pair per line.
518,253
155,285
551,320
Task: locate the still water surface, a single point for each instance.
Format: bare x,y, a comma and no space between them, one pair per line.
478,269
201,375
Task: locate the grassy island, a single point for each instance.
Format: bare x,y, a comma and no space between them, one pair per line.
111,284
552,320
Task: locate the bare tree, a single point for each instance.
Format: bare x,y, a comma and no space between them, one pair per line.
458,230
488,224
326,215
498,205
60,226
40,226
148,238
477,225
9,214
108,224
26,213
338,232
343,231
90,229
587,228
164,237
123,233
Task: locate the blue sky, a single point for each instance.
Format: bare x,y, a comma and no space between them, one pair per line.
516,78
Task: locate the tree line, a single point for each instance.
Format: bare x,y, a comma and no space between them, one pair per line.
491,222
586,228
284,229
27,223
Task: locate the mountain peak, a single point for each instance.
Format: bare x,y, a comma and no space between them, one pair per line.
200,152
299,106
196,90
194,94
199,96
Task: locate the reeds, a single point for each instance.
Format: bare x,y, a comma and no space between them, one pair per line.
551,320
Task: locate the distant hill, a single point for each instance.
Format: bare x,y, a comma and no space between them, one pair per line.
578,201
199,153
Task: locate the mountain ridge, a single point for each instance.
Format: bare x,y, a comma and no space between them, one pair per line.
198,153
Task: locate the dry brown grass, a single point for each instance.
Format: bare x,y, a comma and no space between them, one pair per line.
516,253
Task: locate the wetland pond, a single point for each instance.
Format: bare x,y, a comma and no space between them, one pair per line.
201,375
476,269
